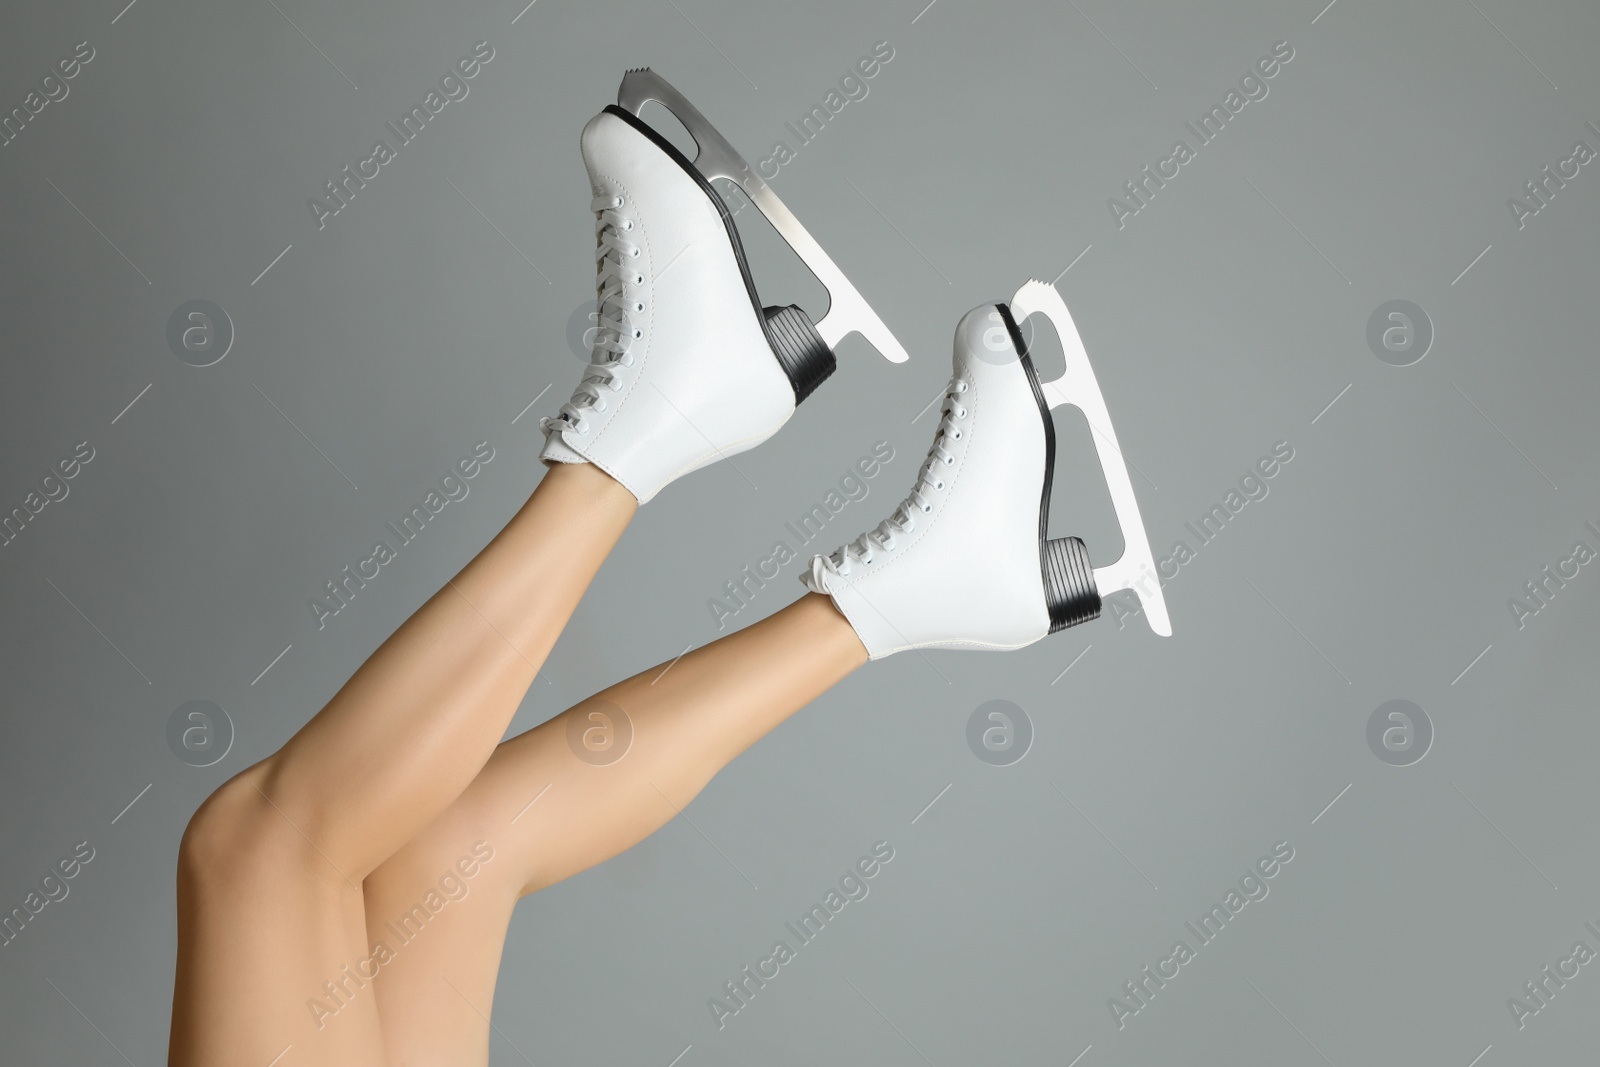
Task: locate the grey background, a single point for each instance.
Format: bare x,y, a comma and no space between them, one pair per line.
1223,318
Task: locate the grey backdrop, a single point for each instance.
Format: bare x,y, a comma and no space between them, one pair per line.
1223,317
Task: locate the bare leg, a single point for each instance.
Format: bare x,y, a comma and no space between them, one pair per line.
269,899
434,995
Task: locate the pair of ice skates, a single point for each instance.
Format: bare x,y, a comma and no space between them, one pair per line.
689,367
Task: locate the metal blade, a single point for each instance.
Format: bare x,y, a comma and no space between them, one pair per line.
1136,568
848,310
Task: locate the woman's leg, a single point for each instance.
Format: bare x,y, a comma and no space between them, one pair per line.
496,843
270,909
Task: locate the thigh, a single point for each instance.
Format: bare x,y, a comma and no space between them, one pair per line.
271,950
438,912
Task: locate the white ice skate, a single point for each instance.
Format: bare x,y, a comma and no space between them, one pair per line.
966,561
687,365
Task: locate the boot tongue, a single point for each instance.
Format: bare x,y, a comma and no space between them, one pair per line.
556,449
817,577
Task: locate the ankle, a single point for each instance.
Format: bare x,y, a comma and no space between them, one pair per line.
587,482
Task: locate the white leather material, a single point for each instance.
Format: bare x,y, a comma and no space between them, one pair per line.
704,382
966,574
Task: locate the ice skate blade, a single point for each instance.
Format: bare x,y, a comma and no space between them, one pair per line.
848,310
1136,568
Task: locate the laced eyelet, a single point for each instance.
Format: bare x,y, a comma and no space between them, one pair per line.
938,485
583,426
638,279
638,307
627,224
626,361
948,461
616,201
637,334
956,435
599,404
926,508
961,413
634,253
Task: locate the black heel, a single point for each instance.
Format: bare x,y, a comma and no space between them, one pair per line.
802,353
1069,589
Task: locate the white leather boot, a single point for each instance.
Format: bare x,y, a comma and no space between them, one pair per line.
687,366
965,561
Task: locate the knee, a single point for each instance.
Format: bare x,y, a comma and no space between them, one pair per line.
234,838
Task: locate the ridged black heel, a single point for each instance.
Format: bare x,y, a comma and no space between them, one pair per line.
802,353
1069,589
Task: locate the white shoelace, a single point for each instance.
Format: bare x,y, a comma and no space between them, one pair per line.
616,272
930,480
